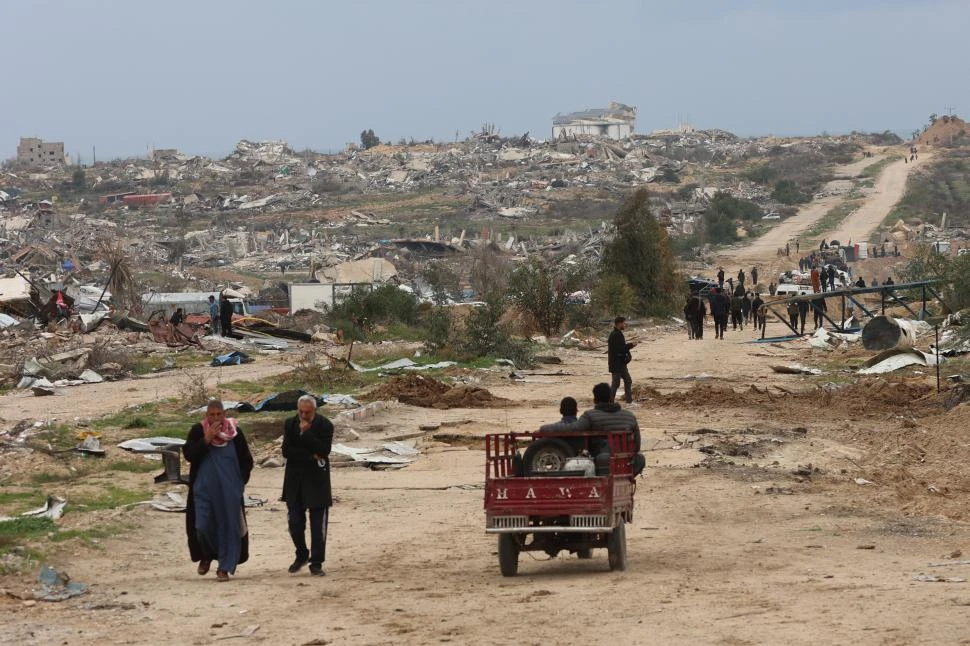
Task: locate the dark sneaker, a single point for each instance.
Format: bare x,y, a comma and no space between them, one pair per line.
317,570
296,566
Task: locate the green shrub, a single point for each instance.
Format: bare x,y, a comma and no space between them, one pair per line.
786,191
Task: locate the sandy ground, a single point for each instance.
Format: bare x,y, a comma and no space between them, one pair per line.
727,546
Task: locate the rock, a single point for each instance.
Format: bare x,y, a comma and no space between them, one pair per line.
271,463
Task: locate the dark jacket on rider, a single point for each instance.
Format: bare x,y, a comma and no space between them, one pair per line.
603,417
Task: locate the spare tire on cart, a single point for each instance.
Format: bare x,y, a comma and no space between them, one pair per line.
547,454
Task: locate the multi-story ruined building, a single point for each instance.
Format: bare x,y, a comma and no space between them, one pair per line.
35,151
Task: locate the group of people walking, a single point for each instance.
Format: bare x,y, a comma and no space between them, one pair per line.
742,307
220,465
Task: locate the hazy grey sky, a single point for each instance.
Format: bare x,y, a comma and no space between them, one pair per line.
199,75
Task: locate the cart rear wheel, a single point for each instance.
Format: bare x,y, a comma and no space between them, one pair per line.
547,454
584,553
508,554
616,547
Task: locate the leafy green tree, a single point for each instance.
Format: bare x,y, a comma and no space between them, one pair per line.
541,290
382,305
483,334
368,139
641,252
614,296
736,208
77,178
954,274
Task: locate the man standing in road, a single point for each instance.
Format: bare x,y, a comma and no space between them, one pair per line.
307,438
720,277
619,357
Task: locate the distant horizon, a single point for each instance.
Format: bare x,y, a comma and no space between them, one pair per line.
200,76
297,148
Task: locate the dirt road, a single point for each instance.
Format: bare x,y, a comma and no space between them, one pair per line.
733,550
765,248
889,188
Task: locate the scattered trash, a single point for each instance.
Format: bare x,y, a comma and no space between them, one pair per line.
391,454
862,482
234,358
894,359
149,443
53,508
796,369
404,364
90,445
57,586
171,501
932,578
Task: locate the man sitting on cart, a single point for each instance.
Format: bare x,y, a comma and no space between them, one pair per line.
606,417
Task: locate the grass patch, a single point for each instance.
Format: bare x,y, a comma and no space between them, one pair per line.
833,218
18,501
874,170
91,535
155,362
168,419
134,466
20,529
109,498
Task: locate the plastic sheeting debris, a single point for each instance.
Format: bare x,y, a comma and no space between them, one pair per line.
894,360
796,369
392,454
57,586
149,443
404,364
53,508
231,359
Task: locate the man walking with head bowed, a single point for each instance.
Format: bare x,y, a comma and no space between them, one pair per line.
307,438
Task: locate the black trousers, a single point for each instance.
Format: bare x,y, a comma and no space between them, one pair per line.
627,385
319,517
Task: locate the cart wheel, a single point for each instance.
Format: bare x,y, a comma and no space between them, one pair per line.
616,547
508,554
584,553
547,454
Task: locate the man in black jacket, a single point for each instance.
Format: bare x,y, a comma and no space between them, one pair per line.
618,357
307,438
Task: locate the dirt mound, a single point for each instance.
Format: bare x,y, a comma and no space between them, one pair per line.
879,394
943,130
717,395
416,390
